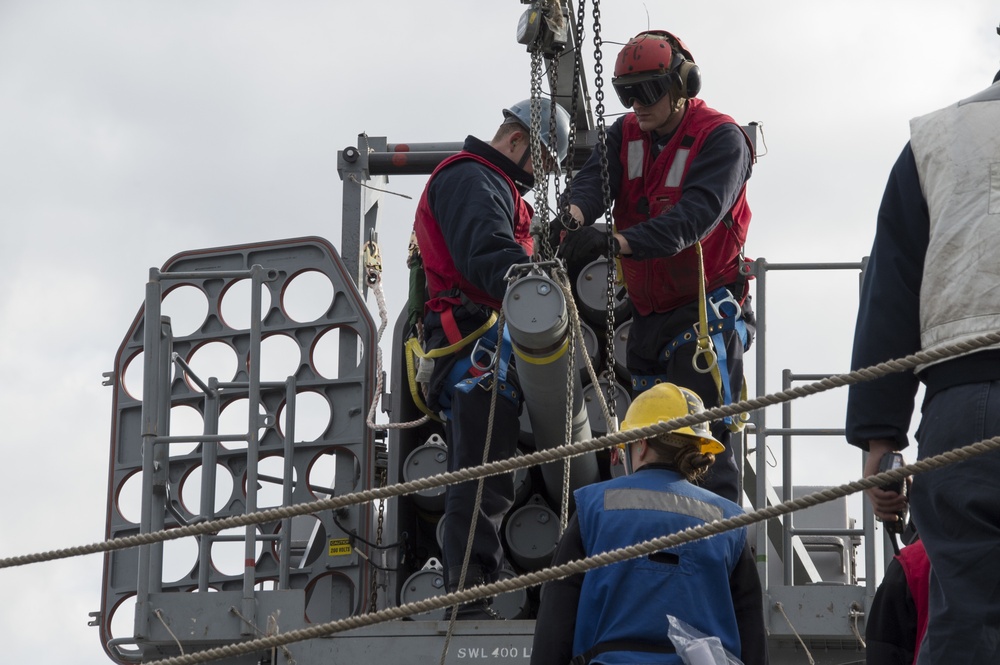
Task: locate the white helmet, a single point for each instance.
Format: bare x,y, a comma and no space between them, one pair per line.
522,113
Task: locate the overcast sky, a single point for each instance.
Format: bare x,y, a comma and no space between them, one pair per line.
130,131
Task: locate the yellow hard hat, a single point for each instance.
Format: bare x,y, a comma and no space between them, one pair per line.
666,401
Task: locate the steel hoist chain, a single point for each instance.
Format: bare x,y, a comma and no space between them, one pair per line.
568,424
381,479
563,277
602,151
554,16
554,140
581,16
535,134
553,150
542,211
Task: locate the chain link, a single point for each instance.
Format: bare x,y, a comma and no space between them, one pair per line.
570,384
577,68
381,478
554,140
602,151
541,181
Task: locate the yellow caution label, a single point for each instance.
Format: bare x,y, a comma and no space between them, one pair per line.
340,547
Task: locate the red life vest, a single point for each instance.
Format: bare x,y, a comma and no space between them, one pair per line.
444,281
917,568
663,284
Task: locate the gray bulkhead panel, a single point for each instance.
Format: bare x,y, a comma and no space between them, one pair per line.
316,574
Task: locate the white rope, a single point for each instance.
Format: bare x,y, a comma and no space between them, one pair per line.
272,629
781,608
159,615
477,504
856,614
583,565
574,317
384,321
575,342
514,463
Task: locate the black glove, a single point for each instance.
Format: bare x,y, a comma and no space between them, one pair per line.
560,223
583,246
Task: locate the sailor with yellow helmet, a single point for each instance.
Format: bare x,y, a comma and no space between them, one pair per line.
618,613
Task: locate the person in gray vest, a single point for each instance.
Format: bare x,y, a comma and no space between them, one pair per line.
932,281
618,613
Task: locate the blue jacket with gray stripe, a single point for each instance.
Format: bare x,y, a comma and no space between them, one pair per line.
710,584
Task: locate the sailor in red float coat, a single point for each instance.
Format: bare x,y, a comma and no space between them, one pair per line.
651,186
472,225
677,174
443,276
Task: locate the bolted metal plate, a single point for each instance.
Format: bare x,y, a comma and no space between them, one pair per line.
598,425
532,534
535,311
422,585
427,460
592,294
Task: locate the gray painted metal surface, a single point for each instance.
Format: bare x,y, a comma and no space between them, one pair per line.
421,642
308,568
299,573
825,613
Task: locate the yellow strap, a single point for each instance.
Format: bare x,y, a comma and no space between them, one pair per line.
460,344
704,340
738,421
413,348
544,360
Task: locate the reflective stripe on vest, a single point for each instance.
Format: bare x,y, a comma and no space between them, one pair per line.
636,499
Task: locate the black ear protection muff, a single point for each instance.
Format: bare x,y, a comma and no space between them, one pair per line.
686,75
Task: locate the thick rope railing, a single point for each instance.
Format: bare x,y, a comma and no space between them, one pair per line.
583,565
512,464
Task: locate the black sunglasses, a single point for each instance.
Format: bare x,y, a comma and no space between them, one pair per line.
647,91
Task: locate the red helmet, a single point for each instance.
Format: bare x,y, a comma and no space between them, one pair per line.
652,53
654,63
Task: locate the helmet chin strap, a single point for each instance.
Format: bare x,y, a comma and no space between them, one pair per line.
525,156
626,454
627,461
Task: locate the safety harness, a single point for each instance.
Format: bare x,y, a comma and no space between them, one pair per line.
477,364
718,313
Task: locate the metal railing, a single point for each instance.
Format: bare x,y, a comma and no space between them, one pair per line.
793,540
